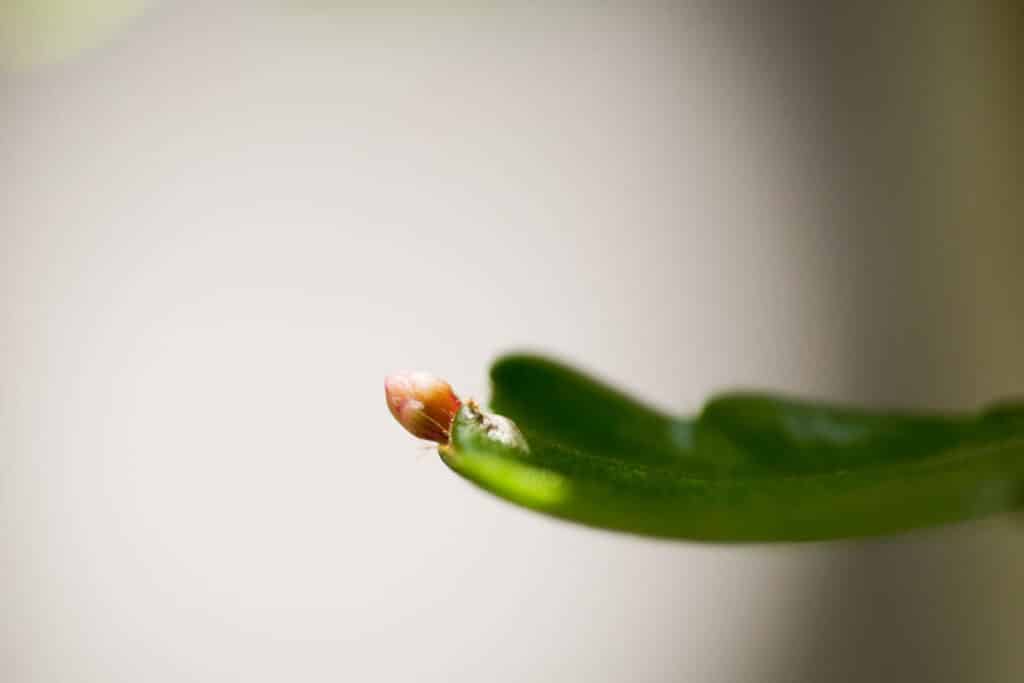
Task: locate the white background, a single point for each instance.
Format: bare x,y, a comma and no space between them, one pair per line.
223,227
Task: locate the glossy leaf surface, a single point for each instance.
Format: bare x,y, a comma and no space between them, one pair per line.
749,467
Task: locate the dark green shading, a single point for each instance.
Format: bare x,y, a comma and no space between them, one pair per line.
749,467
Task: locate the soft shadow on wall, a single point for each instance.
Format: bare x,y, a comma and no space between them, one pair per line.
917,108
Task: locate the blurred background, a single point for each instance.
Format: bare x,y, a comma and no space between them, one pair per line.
221,225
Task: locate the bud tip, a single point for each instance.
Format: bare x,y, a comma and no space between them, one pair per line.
422,403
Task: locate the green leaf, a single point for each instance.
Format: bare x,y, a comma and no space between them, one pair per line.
749,467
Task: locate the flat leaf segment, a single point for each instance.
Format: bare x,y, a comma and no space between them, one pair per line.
749,467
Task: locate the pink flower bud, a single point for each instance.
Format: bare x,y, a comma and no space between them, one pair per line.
425,405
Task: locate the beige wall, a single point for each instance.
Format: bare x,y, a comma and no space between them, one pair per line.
221,227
